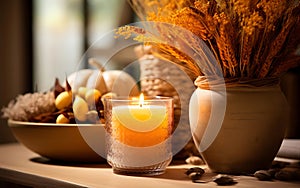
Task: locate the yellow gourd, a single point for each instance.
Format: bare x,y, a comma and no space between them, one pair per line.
63,100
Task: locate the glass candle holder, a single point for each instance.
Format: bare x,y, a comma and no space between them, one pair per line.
139,134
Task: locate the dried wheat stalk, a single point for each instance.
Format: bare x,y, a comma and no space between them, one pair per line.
251,39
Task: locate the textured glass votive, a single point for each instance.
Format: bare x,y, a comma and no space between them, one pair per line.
139,134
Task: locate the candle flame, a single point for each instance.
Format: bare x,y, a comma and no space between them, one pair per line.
141,103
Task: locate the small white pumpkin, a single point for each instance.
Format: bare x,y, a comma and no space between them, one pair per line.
121,83
115,81
79,79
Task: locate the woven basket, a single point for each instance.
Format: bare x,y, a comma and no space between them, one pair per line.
162,78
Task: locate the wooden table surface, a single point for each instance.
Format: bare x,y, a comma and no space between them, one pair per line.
23,167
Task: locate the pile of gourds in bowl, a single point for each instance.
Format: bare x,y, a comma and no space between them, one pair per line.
66,123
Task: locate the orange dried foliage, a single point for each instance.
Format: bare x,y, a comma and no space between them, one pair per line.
251,39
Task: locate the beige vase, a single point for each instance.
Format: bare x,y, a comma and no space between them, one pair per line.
238,131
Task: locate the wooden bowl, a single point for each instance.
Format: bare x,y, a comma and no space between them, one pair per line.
63,142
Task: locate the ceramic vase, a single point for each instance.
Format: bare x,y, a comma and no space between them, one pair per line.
240,130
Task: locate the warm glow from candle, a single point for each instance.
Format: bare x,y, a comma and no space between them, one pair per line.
141,103
140,119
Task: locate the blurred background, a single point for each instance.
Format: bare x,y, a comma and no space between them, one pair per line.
44,39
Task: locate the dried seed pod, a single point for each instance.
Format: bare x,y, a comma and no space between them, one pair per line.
224,180
263,175
58,88
201,181
194,160
195,176
195,169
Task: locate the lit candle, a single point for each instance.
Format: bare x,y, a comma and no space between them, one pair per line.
139,134
140,124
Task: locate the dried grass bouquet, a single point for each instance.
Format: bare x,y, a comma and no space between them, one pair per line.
250,39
